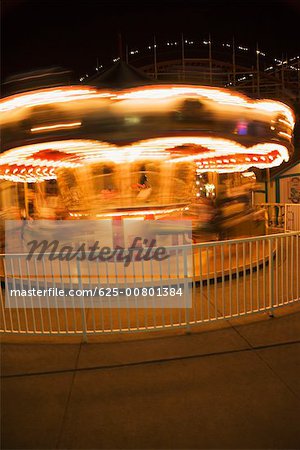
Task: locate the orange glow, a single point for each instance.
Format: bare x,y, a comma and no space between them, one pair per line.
287,135
147,94
38,162
210,154
57,126
48,96
27,175
222,96
136,214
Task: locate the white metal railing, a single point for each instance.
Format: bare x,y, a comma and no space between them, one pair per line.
284,216
222,280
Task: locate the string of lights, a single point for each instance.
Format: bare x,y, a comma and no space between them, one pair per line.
276,62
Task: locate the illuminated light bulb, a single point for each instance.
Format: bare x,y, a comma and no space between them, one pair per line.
57,126
283,121
140,213
254,158
263,158
247,159
272,128
285,134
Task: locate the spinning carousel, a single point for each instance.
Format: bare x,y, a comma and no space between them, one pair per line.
126,147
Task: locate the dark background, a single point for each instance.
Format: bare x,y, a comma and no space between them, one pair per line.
37,34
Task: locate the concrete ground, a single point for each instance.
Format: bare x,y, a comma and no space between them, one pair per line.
236,386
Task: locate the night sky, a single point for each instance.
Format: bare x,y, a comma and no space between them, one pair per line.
43,33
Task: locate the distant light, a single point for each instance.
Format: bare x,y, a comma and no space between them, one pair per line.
249,174
282,133
210,188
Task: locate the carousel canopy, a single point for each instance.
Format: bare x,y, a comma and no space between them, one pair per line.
120,75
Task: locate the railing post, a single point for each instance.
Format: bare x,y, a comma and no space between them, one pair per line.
281,216
271,279
83,316
285,217
186,290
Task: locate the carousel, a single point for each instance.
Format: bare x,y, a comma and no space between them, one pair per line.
125,147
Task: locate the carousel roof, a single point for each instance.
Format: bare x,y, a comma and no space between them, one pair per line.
120,75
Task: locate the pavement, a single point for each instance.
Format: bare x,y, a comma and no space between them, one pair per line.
235,385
